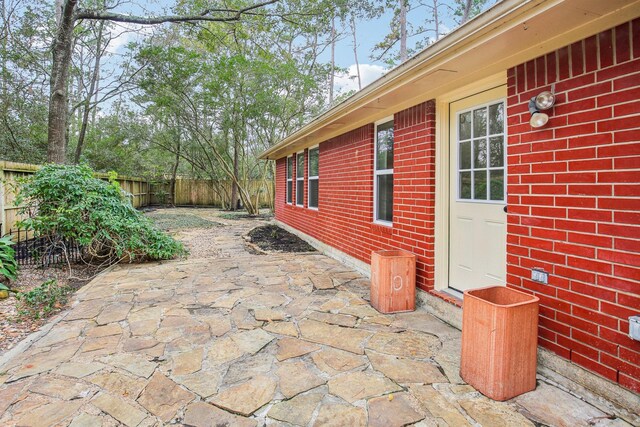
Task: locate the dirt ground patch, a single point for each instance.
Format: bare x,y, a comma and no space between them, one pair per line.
13,328
275,239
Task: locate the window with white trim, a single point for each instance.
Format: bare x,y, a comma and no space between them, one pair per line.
289,179
300,179
314,156
383,170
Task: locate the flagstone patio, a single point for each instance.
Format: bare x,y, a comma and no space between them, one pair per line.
238,339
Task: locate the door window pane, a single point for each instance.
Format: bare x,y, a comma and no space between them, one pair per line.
384,146
496,150
465,155
496,118
497,184
480,185
464,126
479,153
385,197
465,185
479,122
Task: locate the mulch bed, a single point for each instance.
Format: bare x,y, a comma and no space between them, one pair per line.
274,239
14,329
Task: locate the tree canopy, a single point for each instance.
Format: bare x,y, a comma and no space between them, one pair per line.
211,85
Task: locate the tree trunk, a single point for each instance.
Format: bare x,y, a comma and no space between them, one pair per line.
234,183
355,50
403,30
466,11
174,173
436,19
333,59
57,143
87,100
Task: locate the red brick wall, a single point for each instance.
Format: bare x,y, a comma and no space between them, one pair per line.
345,216
574,199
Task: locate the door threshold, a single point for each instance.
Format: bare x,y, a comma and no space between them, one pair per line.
453,292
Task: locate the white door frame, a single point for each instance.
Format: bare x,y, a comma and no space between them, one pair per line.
441,267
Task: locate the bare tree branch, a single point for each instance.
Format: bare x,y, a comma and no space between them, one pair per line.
211,15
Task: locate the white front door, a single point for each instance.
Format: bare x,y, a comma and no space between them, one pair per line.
477,193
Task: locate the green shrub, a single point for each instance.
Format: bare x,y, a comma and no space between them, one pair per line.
8,264
41,301
69,201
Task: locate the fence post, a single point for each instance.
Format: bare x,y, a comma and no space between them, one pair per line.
3,213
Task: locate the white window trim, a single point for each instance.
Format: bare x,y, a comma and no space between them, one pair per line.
314,177
376,173
286,190
299,179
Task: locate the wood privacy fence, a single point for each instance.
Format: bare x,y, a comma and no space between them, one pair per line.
188,192
206,192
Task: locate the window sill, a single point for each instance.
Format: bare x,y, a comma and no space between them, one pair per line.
382,227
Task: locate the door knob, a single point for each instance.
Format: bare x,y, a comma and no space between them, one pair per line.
505,209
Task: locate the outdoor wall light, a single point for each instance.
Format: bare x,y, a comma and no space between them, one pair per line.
543,101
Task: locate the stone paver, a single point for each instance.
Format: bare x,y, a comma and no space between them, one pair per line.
232,338
395,410
340,415
118,409
296,411
163,397
356,386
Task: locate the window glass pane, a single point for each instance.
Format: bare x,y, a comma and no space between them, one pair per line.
289,188
300,165
384,146
496,118
479,122
480,185
313,162
385,197
465,185
313,193
479,153
465,155
497,184
496,151
289,166
464,126
299,192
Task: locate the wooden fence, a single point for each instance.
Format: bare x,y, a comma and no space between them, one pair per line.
11,174
188,192
205,192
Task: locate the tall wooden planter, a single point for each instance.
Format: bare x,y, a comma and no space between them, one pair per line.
393,281
499,341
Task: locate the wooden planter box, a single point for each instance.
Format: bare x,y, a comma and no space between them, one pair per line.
499,341
393,281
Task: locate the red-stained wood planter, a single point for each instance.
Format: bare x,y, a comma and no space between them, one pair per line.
499,341
393,281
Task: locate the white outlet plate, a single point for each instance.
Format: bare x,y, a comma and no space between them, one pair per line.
540,276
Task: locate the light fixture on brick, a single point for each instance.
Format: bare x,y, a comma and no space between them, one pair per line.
543,101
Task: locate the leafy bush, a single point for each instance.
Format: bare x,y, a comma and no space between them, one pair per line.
69,201
39,302
8,264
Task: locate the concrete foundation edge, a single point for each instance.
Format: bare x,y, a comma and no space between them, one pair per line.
600,392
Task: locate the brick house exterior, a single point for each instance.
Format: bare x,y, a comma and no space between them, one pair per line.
573,196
